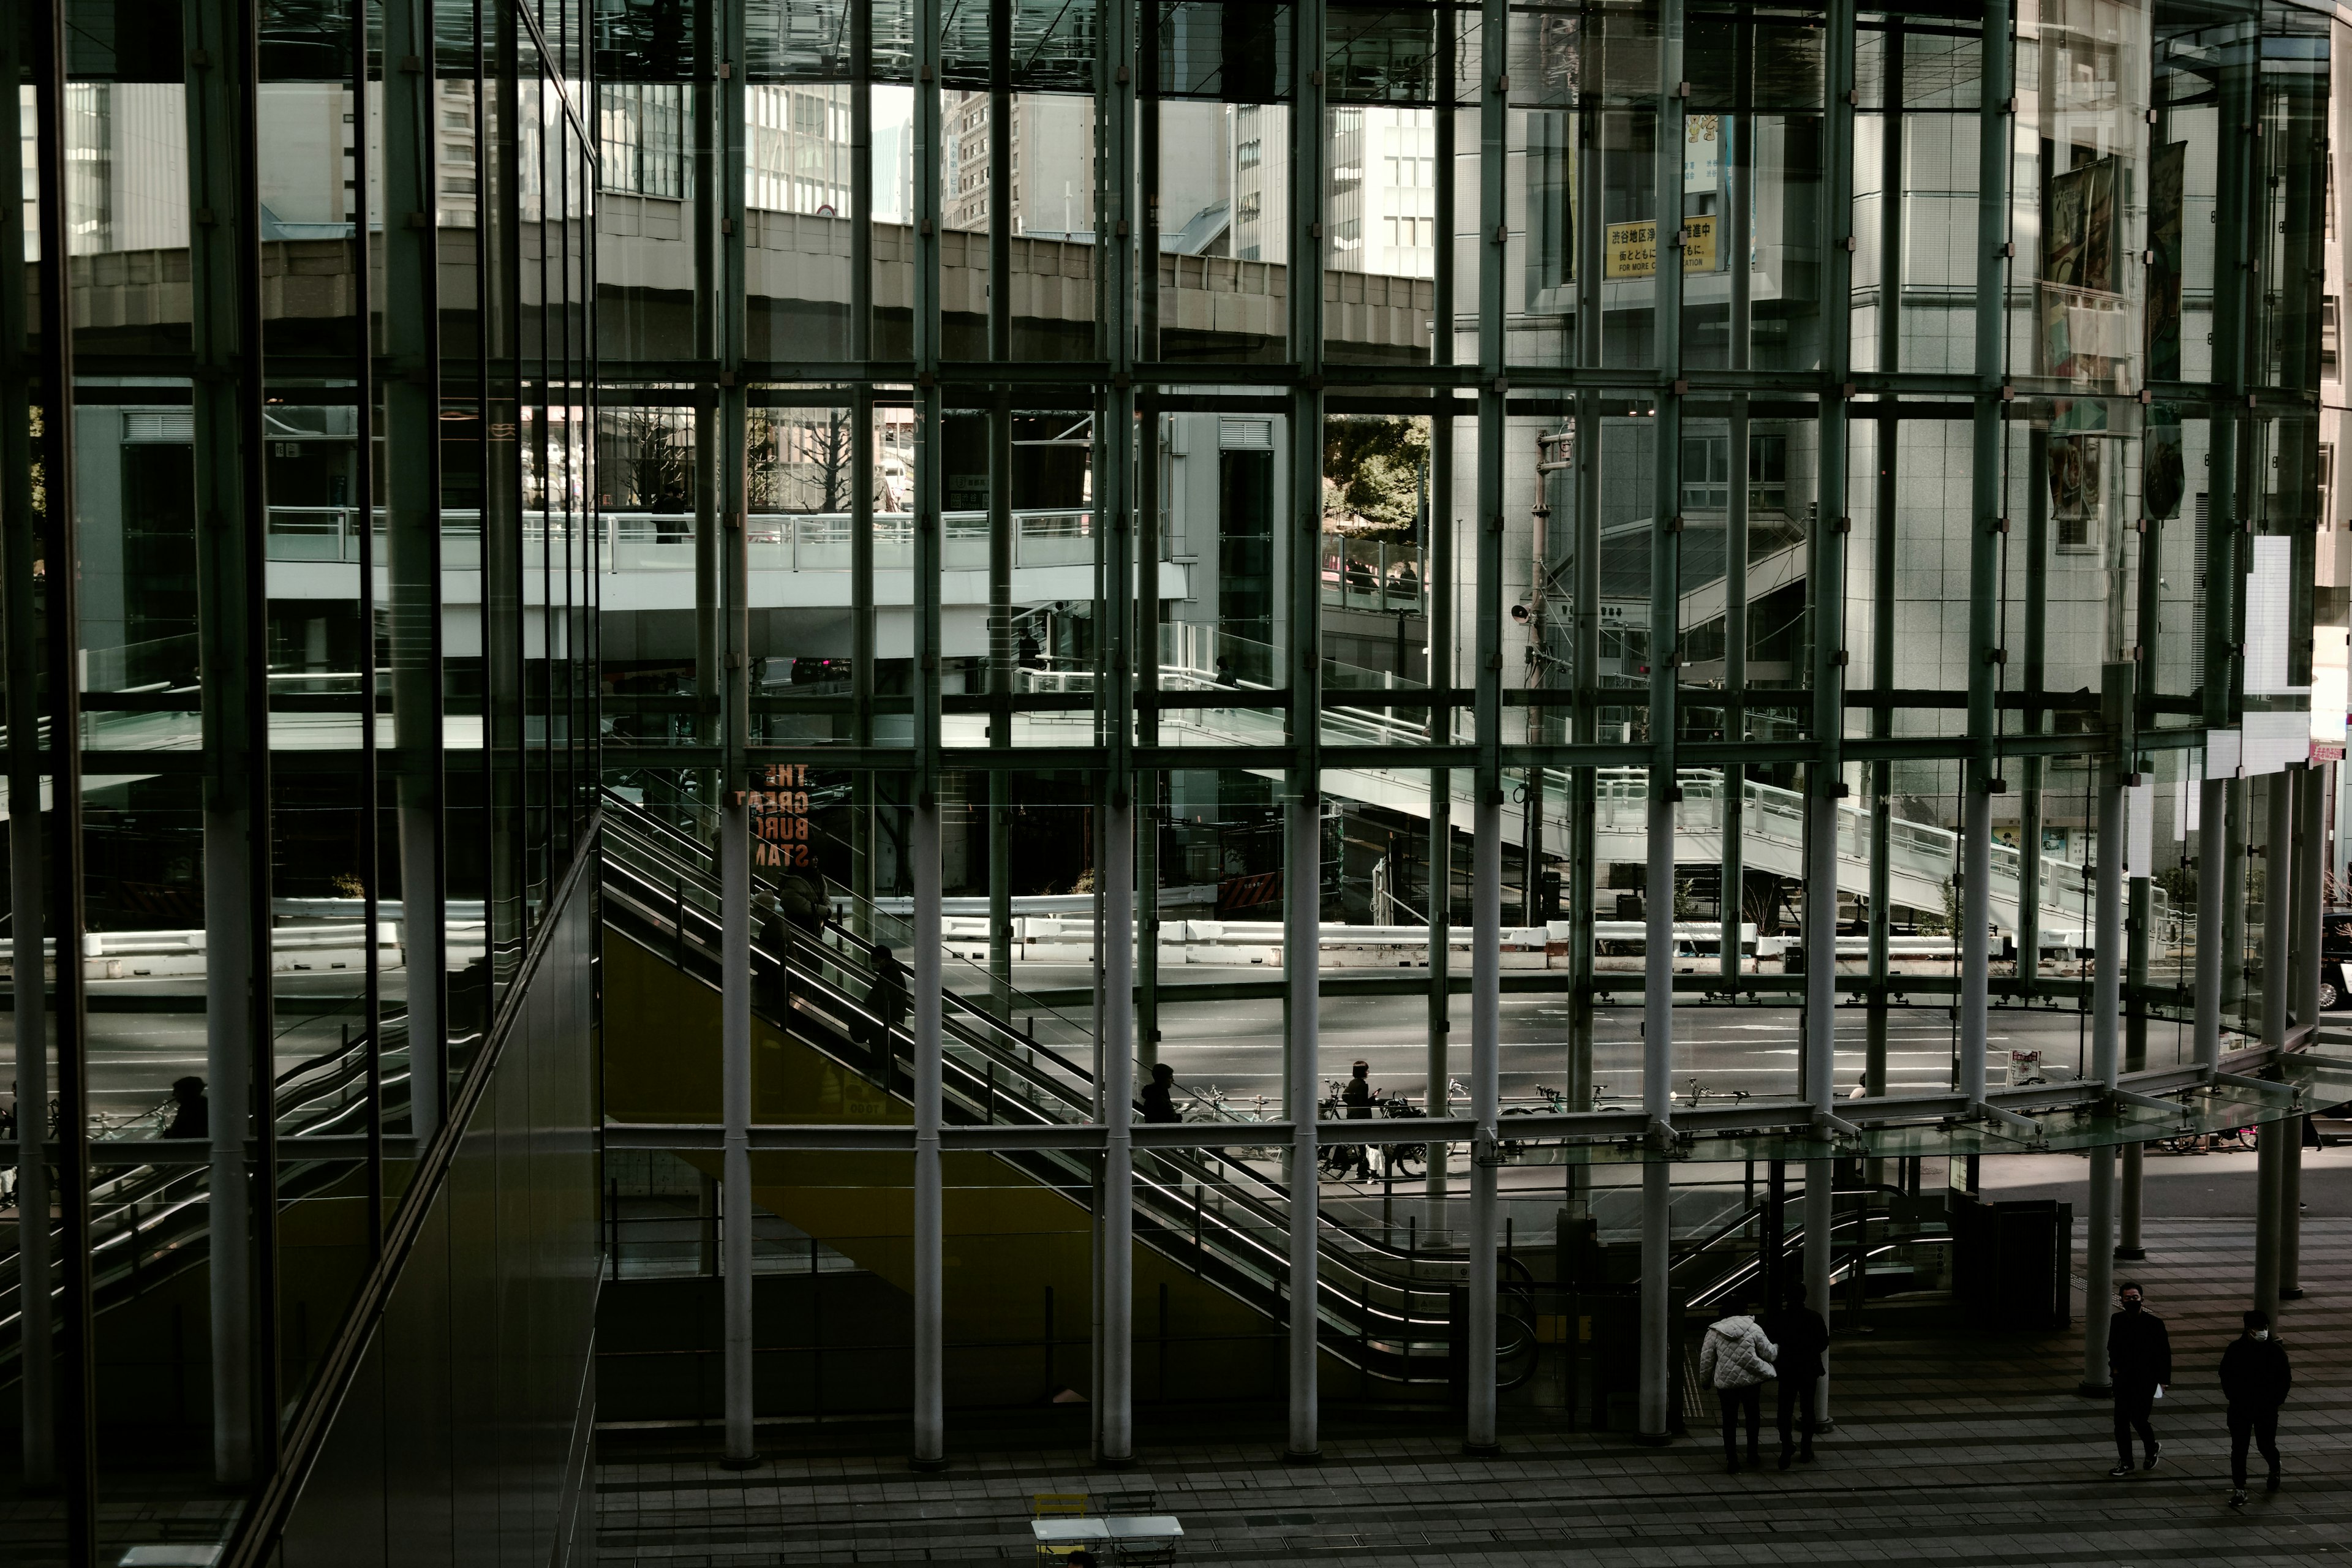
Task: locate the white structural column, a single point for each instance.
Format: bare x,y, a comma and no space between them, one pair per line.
735,1110
2106,996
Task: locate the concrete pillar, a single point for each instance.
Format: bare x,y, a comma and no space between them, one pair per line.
735,1205
228,1073
1115,939
929,1261
1486,1035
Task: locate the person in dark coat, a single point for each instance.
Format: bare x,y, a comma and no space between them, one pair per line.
2255,1378
774,979
886,1000
1804,1340
2139,1365
194,1116
1356,1095
1160,1095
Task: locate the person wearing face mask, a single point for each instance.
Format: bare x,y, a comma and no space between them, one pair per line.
2255,1378
2139,1363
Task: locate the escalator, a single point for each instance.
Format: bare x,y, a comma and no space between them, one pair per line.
150,1223
1221,1214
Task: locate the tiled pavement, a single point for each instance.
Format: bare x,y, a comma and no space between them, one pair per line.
1950,1450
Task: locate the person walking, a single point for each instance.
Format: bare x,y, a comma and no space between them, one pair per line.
2255,1378
192,1115
1160,1095
2139,1365
1356,1094
1734,1360
1804,1338
772,983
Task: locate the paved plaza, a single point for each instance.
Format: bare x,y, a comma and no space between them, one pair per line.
1948,1449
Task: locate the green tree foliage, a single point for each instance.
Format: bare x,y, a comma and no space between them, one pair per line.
1372,470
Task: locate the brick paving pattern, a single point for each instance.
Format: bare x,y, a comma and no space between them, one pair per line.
1951,1449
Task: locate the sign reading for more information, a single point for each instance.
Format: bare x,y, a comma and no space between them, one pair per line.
1632,248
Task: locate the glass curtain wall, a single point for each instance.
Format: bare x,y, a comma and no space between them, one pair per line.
302,556
1542,550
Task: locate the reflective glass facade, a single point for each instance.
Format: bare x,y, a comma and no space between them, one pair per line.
1691,586
1714,565
299,606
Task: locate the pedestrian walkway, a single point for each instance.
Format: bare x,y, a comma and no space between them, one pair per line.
1955,1451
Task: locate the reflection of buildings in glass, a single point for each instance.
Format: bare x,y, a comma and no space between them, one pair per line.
1052,177
1381,210
799,154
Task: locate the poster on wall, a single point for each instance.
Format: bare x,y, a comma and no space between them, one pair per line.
2081,311
2081,250
2167,185
2075,476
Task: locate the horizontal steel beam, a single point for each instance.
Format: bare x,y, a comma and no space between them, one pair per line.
1786,1116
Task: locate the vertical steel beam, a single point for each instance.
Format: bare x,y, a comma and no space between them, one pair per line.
1486,822
2106,985
20,550
1664,791
1438,585
2270,1183
411,489
2278,908
1996,128
733,623
2236,810
923,832
1825,781
232,615
1129,586
2275,1136
1886,504
1303,825
75,1454
2212,861
1585,716
862,467
1002,650
1738,161
2310,786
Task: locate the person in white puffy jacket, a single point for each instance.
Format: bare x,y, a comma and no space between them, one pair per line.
1734,1360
